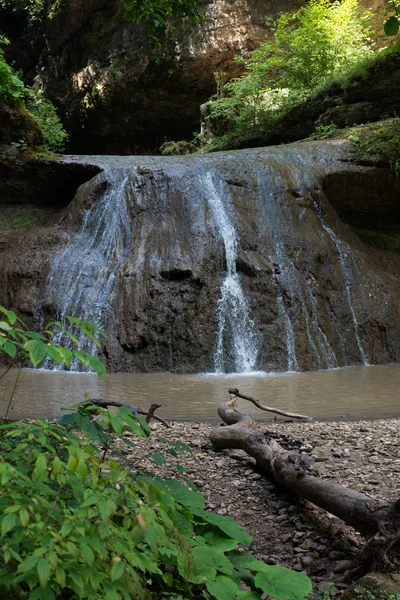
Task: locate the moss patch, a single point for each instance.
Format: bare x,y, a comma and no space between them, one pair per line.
16,218
383,240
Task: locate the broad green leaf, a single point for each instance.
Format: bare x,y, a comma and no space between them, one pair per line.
279,582
10,349
37,351
60,576
223,588
226,524
40,469
117,423
24,517
57,465
182,494
54,354
219,541
87,554
158,458
202,564
392,26
183,525
182,469
66,355
117,570
8,523
28,564
43,571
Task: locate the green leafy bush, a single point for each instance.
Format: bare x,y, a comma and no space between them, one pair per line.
316,42
21,344
45,115
323,132
75,524
11,87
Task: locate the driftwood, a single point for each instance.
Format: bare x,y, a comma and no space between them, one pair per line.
378,522
278,411
149,414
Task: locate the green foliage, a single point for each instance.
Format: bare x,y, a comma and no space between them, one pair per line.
323,132
361,593
18,343
45,115
35,11
378,142
75,524
157,12
156,15
11,87
383,240
392,26
15,218
318,41
392,23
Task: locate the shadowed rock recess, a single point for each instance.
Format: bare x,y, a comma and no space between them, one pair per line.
143,251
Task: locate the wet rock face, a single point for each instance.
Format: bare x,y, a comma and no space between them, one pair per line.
318,297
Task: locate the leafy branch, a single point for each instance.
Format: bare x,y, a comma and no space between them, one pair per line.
21,344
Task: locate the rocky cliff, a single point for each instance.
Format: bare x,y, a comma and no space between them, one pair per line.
114,95
143,250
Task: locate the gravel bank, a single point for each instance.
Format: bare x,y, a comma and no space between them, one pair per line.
363,455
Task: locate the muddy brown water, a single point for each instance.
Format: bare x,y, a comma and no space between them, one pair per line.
351,393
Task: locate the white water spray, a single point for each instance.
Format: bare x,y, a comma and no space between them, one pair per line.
233,308
82,278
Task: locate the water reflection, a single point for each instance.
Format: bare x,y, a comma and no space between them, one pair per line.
361,392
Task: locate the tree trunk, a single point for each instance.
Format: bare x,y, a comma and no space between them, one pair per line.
377,521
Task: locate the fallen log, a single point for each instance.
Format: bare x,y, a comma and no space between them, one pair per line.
378,522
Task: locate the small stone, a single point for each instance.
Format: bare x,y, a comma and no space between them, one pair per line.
343,565
307,561
321,454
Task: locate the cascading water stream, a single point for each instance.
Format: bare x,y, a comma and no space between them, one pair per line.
233,308
289,284
82,278
344,252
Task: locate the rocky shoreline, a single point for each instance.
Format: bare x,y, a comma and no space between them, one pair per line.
363,455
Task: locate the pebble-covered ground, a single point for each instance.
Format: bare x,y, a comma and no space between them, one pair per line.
287,531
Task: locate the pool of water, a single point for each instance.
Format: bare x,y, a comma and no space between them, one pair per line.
351,393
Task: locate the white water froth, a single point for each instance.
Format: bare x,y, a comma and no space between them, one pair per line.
233,309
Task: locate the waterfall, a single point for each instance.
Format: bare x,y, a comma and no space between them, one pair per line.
233,310
344,252
82,277
290,282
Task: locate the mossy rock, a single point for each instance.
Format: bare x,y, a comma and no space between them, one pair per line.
177,148
17,126
374,586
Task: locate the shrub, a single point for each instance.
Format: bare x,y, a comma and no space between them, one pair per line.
75,524
318,41
45,115
11,87
21,344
